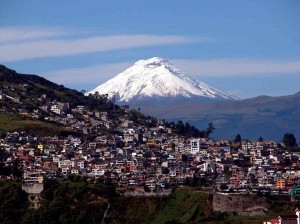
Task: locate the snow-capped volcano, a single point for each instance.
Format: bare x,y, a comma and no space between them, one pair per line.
159,79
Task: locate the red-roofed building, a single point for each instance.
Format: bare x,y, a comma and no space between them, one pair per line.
290,219
272,221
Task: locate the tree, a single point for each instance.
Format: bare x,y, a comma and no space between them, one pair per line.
238,138
180,127
289,140
260,139
97,95
223,186
187,126
209,129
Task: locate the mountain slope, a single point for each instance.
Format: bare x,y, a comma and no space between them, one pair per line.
269,117
158,79
28,88
22,94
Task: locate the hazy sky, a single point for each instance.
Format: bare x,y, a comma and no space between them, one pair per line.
244,47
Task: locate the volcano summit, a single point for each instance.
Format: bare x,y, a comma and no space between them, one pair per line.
157,79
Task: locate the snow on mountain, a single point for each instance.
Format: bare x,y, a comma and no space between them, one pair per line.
157,78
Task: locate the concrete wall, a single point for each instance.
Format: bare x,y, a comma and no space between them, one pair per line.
245,205
33,188
139,192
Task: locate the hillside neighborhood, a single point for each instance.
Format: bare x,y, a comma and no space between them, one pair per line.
92,140
139,159
149,112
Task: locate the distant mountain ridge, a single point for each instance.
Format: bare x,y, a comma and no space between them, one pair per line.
269,117
158,79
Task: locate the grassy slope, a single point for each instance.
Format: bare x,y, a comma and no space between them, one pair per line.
183,206
9,123
72,202
79,202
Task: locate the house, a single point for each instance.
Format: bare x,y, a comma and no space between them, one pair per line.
40,179
65,170
97,173
74,171
127,124
65,163
80,164
280,183
56,109
272,221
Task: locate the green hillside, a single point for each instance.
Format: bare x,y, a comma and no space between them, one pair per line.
83,202
11,123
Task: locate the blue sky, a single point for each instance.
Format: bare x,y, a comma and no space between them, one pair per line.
244,47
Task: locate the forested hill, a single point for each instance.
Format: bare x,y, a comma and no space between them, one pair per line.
28,88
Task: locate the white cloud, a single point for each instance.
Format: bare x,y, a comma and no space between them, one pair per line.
91,75
14,34
237,67
63,47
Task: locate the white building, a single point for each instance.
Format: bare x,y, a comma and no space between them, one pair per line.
195,146
56,109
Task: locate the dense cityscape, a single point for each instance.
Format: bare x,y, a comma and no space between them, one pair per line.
149,112
147,157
